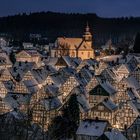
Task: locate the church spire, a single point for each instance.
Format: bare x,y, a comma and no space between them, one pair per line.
87,27
87,35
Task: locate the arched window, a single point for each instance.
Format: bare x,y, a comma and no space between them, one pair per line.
73,54
88,54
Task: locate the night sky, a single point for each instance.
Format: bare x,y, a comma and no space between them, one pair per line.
103,8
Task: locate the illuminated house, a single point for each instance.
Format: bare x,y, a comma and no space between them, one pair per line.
4,61
68,86
92,83
75,47
133,131
18,101
29,56
63,61
101,92
112,94
105,110
136,73
90,63
28,45
90,129
3,42
4,108
44,111
45,105
5,75
100,67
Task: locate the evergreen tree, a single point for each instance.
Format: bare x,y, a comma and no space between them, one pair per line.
12,57
58,128
65,126
18,78
72,113
73,107
136,47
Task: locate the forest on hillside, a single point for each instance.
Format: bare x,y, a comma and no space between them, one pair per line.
52,25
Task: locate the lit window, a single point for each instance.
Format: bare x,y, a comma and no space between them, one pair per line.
89,54
100,107
73,54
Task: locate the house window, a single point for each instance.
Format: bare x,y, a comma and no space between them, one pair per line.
100,107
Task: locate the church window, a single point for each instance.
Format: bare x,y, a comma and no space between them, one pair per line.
88,54
82,52
73,54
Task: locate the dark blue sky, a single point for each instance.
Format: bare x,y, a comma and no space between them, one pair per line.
104,8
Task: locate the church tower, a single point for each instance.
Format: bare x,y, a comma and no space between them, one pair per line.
87,37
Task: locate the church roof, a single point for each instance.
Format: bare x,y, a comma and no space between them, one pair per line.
73,43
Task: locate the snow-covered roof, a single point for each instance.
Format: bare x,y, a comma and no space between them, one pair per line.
72,62
124,67
109,104
20,69
111,58
4,59
5,72
51,103
57,79
113,72
108,87
31,53
133,94
132,63
85,74
115,135
40,74
52,89
135,104
80,79
9,85
67,71
93,128
110,75
51,61
72,42
83,102
81,98
87,63
125,59
31,85
132,82
16,100
17,115
13,115
13,86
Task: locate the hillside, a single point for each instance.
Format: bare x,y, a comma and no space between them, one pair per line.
59,24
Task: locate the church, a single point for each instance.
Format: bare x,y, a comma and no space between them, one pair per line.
75,47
